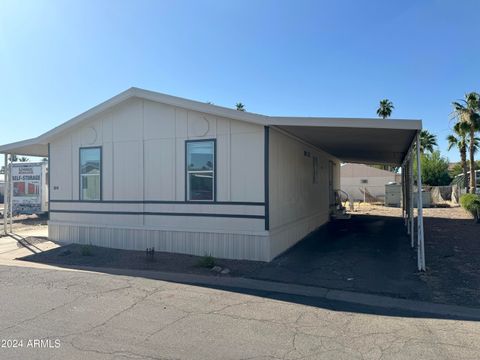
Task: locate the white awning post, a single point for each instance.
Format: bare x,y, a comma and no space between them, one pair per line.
5,196
10,193
403,192
410,203
406,197
420,244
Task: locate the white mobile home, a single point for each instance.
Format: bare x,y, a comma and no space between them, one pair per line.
146,169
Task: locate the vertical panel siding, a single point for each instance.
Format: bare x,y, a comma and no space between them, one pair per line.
144,153
143,146
297,204
221,245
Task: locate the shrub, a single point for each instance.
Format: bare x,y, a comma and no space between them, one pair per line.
434,169
206,261
471,203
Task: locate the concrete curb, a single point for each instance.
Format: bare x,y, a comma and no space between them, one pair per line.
385,302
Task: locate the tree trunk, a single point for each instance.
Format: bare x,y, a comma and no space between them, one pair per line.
473,177
463,160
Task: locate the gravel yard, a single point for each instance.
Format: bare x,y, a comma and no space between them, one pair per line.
452,246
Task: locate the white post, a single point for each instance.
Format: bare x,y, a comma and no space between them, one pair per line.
420,247
403,192
10,193
5,196
405,197
410,203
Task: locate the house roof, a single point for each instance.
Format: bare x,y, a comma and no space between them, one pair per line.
349,139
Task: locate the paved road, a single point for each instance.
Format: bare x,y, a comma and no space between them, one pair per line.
102,316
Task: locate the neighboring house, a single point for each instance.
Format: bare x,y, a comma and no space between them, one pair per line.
145,169
459,179
362,182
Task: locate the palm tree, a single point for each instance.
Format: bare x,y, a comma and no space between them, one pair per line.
467,111
23,159
459,140
427,141
240,106
385,109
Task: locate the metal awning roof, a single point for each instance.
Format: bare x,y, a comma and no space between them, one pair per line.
368,141
348,139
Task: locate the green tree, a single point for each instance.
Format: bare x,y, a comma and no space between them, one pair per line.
427,141
467,111
240,106
434,169
23,159
385,108
460,140
456,169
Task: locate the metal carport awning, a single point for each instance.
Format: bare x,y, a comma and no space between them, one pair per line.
366,141
369,141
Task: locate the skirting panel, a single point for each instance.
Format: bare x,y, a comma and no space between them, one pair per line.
286,236
221,245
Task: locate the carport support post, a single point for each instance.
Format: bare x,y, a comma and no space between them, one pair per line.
420,245
10,193
5,195
403,195
410,201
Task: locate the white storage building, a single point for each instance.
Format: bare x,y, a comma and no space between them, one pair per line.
363,182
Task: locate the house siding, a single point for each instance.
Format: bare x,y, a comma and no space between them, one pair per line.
143,183
297,204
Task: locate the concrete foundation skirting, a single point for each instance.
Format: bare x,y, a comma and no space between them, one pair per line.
222,245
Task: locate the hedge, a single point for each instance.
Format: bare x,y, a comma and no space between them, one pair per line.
471,203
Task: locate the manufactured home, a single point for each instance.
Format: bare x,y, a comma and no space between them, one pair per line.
145,169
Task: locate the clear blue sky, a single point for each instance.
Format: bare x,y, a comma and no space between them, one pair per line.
305,58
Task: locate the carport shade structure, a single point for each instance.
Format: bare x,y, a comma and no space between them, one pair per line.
370,141
359,140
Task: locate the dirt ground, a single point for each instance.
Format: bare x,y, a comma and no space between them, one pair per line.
23,223
452,252
454,212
